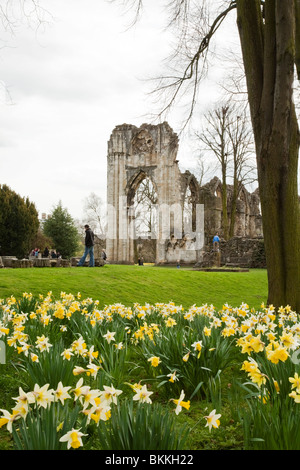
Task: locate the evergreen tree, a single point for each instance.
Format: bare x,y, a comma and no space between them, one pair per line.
60,227
19,223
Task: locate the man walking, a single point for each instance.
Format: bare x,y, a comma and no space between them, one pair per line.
89,247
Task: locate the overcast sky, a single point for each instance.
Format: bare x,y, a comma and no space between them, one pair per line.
66,86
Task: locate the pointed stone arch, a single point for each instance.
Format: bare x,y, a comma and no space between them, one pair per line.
133,154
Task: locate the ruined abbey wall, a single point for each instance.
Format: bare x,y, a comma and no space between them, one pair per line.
151,152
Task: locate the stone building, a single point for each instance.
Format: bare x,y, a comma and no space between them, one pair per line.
187,215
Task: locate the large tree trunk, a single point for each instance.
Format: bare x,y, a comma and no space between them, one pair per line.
268,47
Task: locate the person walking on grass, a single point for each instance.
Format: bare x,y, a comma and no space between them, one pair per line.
89,247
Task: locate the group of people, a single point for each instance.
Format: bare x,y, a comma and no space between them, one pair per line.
89,248
45,254
35,252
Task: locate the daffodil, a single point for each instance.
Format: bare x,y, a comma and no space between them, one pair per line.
78,370
23,348
42,395
288,340
186,357
99,412
295,381
253,371
109,336
110,394
256,344
180,403
135,387
73,438
92,369
154,361
207,331
143,395
34,357
79,389
3,330
91,354
258,377
61,393
79,346
24,398
170,322
197,345
88,397
67,353
295,396
228,331
276,352
8,419
212,420
173,377
276,385
43,343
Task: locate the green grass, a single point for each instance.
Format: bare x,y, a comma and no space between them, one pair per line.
129,284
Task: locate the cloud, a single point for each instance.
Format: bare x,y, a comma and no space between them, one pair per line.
71,83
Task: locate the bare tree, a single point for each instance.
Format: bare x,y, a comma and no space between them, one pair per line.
145,207
203,169
216,138
242,161
95,214
14,13
226,134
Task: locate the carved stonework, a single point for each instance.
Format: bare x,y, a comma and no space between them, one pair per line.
142,143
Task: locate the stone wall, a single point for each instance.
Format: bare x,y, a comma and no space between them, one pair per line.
241,252
248,220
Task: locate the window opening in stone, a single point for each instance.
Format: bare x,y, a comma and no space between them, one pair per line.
189,211
145,221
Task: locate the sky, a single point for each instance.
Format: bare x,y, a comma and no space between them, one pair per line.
66,85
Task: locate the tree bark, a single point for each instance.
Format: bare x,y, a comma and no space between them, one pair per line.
268,50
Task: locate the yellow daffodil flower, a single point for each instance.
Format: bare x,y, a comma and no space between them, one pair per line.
295,381
61,393
180,403
186,357
295,396
143,395
73,438
42,395
154,361
173,377
212,420
109,336
110,394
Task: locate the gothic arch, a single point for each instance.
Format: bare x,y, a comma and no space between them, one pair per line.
133,155
134,183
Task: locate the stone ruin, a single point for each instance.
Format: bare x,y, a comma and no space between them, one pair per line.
150,151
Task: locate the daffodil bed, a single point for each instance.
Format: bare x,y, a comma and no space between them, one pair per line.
96,378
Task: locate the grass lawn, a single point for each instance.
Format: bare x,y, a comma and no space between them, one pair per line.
129,284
